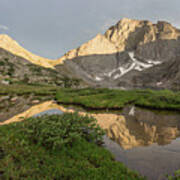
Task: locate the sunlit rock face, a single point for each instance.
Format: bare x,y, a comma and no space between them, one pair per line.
12,46
127,34
131,54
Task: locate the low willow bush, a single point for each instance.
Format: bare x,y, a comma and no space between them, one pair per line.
176,176
55,131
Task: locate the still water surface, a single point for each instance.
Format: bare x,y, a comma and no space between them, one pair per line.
144,140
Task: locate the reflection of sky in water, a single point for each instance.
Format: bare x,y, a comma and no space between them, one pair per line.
49,112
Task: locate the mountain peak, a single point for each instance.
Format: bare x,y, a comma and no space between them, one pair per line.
98,45
127,34
4,37
13,47
132,53
128,20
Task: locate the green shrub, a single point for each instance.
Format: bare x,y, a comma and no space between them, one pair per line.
6,59
55,131
2,63
35,69
24,158
176,176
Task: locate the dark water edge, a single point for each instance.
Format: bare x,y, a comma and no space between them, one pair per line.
116,109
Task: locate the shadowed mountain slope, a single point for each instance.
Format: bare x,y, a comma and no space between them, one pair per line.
131,54
16,69
154,65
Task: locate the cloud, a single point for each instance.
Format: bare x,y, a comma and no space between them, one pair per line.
3,27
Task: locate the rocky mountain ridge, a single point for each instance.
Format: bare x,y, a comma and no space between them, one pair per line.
131,54
13,47
127,34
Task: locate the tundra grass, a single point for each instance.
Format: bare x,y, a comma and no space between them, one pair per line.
117,99
23,89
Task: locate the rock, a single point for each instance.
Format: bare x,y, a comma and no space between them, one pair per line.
98,45
12,46
126,34
35,101
4,98
131,54
129,33
14,99
5,82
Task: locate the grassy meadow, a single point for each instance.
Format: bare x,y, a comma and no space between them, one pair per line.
57,147
68,146
117,99
24,89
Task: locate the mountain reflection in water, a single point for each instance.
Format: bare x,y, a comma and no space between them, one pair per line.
136,127
144,127
146,138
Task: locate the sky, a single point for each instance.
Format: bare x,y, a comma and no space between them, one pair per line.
50,28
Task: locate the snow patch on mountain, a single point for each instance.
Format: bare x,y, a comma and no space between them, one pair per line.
135,65
138,63
98,78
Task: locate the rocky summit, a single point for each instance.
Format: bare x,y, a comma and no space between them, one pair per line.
13,47
131,54
127,34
